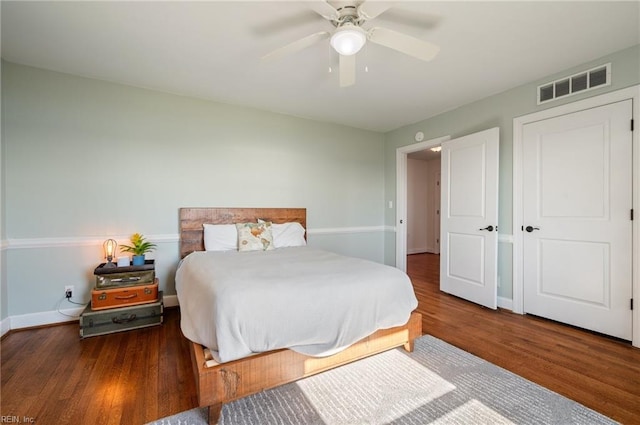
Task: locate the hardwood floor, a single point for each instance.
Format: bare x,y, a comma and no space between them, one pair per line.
134,377
600,372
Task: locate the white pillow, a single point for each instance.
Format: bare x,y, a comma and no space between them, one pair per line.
220,237
288,234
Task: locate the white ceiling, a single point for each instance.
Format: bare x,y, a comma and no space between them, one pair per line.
212,50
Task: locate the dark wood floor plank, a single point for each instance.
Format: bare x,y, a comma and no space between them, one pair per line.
139,376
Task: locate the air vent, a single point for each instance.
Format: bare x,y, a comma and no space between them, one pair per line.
577,83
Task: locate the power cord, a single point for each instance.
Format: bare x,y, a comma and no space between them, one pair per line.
72,302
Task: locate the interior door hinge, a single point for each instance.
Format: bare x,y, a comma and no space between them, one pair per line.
631,214
631,124
631,303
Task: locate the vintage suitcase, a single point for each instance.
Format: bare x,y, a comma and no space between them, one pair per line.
127,296
113,277
103,322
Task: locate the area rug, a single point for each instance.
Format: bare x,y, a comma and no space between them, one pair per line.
436,384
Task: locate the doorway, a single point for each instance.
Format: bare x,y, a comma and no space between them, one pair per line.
401,194
469,215
423,201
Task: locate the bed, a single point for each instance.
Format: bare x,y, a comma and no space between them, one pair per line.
225,380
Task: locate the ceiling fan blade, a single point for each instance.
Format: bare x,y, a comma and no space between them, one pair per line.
296,46
370,9
403,43
324,9
347,70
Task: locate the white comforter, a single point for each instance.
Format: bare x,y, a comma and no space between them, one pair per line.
312,301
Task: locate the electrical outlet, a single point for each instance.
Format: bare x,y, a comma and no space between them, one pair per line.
68,291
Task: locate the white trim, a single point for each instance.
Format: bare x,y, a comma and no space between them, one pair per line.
632,93
45,318
401,195
54,317
5,326
423,250
342,230
31,243
505,303
170,301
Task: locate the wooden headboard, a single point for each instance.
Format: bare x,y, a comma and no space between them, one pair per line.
192,219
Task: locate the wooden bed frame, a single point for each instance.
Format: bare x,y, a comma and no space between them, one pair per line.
225,382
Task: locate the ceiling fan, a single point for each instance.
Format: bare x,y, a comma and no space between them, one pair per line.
349,36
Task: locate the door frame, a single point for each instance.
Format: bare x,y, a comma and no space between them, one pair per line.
401,195
632,93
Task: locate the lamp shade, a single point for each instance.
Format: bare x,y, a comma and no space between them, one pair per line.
348,39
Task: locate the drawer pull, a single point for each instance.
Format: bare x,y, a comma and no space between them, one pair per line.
126,297
118,320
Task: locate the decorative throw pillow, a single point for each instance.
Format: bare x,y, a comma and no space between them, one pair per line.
254,236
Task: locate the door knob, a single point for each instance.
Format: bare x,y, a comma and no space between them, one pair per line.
489,228
531,229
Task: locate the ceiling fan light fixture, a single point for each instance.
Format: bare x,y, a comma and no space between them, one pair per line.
348,39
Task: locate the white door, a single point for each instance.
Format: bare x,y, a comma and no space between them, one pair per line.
469,211
577,228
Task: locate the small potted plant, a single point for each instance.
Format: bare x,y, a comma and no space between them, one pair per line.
139,247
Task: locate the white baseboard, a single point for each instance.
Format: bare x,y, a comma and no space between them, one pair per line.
5,326
45,318
54,317
170,300
422,251
505,303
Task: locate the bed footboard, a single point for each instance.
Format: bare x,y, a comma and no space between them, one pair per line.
230,381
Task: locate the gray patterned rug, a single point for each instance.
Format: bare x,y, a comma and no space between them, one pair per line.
436,384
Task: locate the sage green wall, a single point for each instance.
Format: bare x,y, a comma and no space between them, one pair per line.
86,159
498,111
